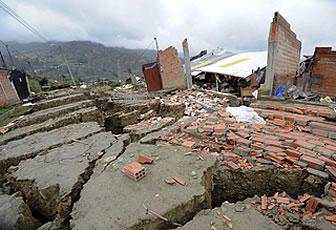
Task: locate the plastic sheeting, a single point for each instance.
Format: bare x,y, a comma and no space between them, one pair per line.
245,114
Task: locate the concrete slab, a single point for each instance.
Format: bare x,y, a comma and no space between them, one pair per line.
15,151
111,200
15,214
248,219
78,116
58,101
145,127
50,182
43,115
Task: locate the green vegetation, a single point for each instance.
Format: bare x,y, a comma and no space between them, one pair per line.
34,85
5,110
19,112
89,61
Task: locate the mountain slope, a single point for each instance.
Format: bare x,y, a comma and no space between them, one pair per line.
88,60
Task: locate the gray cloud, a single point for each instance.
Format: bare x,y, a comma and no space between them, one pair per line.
236,25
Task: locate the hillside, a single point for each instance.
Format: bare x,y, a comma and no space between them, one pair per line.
88,60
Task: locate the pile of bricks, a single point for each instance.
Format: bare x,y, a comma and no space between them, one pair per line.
280,142
306,118
196,103
292,209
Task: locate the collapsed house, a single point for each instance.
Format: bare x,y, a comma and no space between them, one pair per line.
232,71
317,74
166,72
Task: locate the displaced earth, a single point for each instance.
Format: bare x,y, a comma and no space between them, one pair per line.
197,165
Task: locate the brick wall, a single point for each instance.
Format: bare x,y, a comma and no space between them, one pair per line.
284,51
325,67
172,72
8,94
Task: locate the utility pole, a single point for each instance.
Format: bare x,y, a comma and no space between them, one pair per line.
132,78
67,64
10,57
187,63
119,74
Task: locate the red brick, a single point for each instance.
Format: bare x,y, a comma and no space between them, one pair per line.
329,142
293,153
315,142
257,146
264,202
330,217
243,142
144,160
324,151
331,147
303,144
270,137
230,155
284,200
307,151
180,181
313,162
189,144
273,143
273,149
332,171
275,157
312,205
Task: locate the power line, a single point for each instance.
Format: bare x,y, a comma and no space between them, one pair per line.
142,54
12,13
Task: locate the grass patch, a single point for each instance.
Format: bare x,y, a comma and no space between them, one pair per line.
5,110
19,112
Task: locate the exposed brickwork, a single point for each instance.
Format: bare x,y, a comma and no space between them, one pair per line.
8,94
172,72
325,67
283,52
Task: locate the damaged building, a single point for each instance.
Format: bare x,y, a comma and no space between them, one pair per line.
166,157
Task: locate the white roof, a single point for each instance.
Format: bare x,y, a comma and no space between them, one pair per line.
239,65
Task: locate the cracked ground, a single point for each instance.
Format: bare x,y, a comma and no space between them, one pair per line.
61,165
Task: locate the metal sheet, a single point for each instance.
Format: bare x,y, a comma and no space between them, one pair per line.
239,65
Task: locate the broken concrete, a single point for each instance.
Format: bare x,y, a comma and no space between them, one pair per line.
58,101
82,115
94,210
46,114
244,220
15,214
50,182
28,147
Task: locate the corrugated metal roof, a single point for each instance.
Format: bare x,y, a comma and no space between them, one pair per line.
211,57
239,65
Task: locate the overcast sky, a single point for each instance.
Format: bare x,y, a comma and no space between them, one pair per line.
237,25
